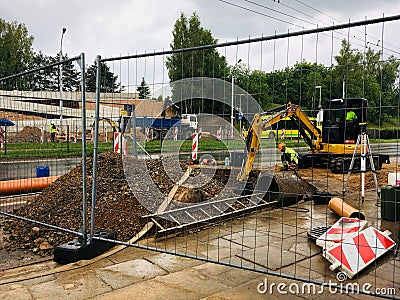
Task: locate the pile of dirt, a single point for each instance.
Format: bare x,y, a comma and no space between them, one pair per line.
158,171
60,205
117,207
28,135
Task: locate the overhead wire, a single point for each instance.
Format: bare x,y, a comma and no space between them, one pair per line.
257,12
333,18
294,17
277,11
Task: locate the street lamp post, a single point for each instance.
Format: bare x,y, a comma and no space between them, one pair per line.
320,88
320,114
233,97
60,78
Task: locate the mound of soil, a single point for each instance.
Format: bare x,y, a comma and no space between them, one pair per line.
28,135
117,207
60,205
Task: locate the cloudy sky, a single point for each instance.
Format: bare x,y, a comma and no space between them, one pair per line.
114,28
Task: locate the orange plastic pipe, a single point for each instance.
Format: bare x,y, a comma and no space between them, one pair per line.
27,185
343,209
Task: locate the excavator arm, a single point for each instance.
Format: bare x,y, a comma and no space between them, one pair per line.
252,146
111,122
307,129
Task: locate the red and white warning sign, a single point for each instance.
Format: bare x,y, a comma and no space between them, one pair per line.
195,145
283,134
147,132
343,229
354,254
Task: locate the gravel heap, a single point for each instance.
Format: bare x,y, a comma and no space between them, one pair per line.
117,208
29,135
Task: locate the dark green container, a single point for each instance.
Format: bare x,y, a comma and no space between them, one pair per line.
390,203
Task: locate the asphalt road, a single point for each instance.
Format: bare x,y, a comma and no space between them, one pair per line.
18,169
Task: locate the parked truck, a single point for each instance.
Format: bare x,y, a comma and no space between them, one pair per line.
157,126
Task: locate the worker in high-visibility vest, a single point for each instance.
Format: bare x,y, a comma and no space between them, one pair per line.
53,130
351,116
289,157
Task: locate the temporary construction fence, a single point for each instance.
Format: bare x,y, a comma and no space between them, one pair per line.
200,210
193,211
42,147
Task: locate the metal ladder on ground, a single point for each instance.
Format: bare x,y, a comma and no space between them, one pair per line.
214,210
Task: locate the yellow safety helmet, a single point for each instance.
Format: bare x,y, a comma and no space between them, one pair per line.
281,146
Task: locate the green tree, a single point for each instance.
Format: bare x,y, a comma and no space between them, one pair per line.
15,48
48,78
297,84
143,90
108,81
202,63
189,33
253,82
71,76
370,78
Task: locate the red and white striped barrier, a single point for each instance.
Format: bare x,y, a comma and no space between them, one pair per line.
354,254
147,133
199,133
219,133
343,229
283,134
118,141
175,133
195,145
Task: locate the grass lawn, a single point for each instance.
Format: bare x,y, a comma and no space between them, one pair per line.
37,150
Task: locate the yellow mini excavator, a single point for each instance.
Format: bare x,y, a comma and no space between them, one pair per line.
333,146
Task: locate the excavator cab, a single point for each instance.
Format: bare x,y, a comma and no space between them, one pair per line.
342,119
